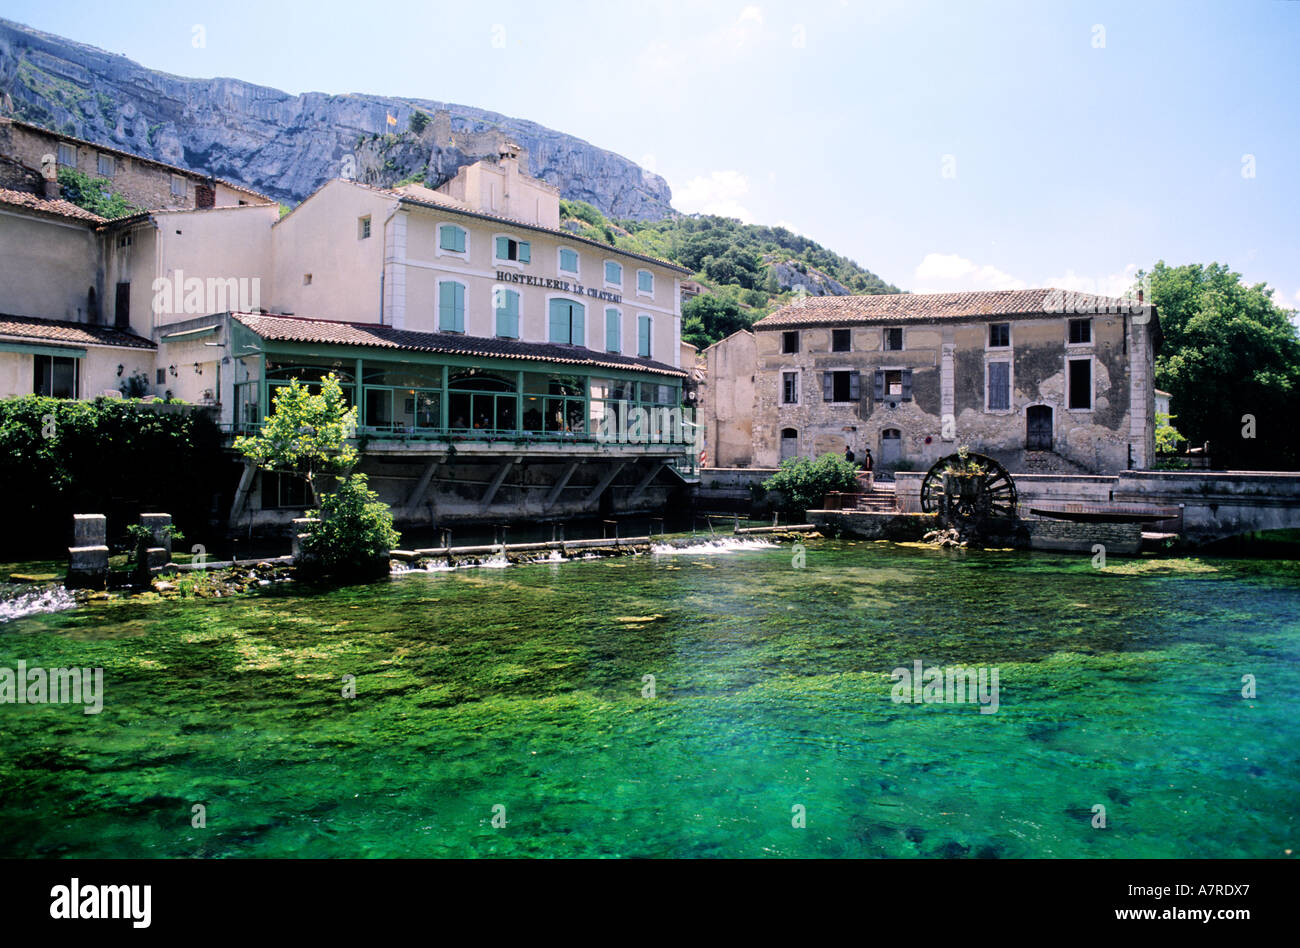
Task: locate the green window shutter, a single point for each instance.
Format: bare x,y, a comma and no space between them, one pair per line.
559,321
503,248
878,389
451,307
855,386
645,281
613,342
613,273
643,336
568,260
578,324
525,252
907,384
508,315
451,238
999,385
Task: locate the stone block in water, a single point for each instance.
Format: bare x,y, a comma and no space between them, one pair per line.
87,567
89,530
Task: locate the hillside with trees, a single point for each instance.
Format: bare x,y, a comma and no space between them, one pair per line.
747,270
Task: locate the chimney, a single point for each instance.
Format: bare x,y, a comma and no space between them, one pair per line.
50,174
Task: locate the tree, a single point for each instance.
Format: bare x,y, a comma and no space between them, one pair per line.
307,433
1230,358
418,121
707,318
1167,436
805,482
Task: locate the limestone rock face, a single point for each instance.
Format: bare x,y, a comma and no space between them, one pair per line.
816,283
284,145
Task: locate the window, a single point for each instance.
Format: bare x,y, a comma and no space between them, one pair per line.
613,273
1081,383
507,310
893,383
645,282
840,340
568,322
841,386
999,386
306,279
790,342
644,337
106,166
55,376
789,388
510,249
613,330
283,490
67,154
999,335
451,238
363,227
894,339
1080,332
178,186
568,261
451,306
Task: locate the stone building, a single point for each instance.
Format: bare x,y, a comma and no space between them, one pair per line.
1043,380
141,182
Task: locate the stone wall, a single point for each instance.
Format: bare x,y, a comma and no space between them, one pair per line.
1119,539
727,400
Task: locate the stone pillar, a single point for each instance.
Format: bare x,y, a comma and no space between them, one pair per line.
301,526
947,389
160,530
88,556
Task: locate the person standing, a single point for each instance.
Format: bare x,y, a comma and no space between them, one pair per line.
848,454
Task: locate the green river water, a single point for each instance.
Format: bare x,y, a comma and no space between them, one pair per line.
522,688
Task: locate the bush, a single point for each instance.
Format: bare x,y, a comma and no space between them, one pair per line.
804,482
354,534
111,456
93,194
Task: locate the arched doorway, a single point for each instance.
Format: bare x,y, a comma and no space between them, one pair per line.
891,447
789,443
1038,428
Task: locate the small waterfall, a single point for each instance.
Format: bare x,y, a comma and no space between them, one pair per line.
47,599
714,545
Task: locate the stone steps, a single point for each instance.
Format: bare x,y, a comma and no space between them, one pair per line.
1048,462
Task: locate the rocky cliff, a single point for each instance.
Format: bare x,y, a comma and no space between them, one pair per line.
280,144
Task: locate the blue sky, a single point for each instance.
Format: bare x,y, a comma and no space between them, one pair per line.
958,145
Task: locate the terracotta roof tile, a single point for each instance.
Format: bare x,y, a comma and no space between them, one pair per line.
58,208
62,331
938,307
302,329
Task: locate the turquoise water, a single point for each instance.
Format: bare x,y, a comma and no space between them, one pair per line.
522,688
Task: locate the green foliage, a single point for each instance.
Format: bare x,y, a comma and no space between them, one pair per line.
707,318
93,194
419,121
307,433
1167,436
111,456
805,482
354,534
1228,351
135,386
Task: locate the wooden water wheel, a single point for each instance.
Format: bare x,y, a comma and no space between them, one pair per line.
969,487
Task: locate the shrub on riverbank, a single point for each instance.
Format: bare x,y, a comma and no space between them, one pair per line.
354,533
803,483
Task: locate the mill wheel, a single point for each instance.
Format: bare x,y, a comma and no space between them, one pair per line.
990,494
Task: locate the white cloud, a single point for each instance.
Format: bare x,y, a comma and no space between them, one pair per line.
943,273
1111,284
720,193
